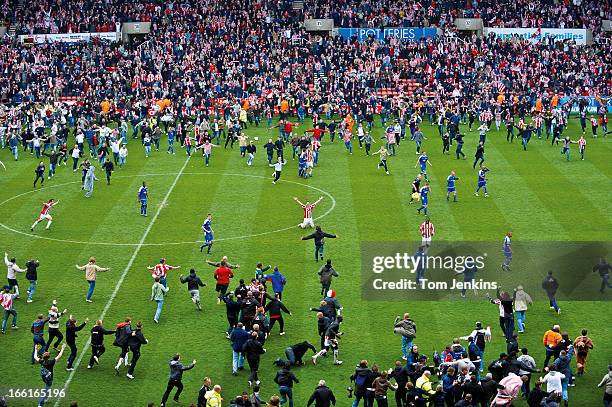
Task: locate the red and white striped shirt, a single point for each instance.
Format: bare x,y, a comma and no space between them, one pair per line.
7,301
316,144
161,270
46,209
308,210
427,230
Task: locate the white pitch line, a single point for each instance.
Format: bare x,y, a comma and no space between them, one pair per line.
123,275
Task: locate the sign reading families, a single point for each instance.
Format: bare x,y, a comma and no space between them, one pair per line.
403,33
541,34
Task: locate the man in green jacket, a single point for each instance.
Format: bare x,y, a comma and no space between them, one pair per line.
158,292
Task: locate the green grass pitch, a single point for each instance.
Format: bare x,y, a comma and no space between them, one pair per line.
537,194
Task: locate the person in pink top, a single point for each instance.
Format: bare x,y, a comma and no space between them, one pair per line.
581,146
207,150
346,137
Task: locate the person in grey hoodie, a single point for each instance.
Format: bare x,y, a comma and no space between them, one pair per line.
176,377
327,272
607,381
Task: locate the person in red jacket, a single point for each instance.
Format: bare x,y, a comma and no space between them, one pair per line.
223,274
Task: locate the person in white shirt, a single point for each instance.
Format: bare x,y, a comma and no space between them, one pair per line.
115,147
553,381
278,167
123,153
11,274
75,154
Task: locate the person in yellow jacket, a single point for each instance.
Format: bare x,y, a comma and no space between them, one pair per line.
423,384
213,397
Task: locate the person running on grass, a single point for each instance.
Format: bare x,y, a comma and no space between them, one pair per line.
208,234
46,370
7,300
123,331
193,285
11,273
383,158
332,335
143,198
176,378
90,178
97,343
161,271
54,331
40,174
158,293
45,214
319,240
278,168
91,269
71,334
135,341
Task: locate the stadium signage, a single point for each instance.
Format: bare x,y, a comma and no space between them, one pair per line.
541,34
403,33
72,37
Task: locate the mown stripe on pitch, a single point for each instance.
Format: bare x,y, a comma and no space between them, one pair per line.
564,199
519,195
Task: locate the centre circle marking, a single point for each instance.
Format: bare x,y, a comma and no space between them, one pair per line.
10,229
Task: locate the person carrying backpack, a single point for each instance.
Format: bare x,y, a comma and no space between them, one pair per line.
122,334
360,377
481,336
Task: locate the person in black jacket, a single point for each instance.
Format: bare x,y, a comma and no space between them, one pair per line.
135,341
479,154
71,335
474,388
295,354
401,376
232,309
332,335
176,378
97,343
322,325
193,285
40,174
274,307
285,379
253,349
32,276
108,167
206,387
551,285
319,241
322,396
499,367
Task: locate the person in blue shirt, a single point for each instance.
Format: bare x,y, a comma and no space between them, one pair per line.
171,135
208,233
424,198
450,186
507,249
422,161
278,282
482,181
143,197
